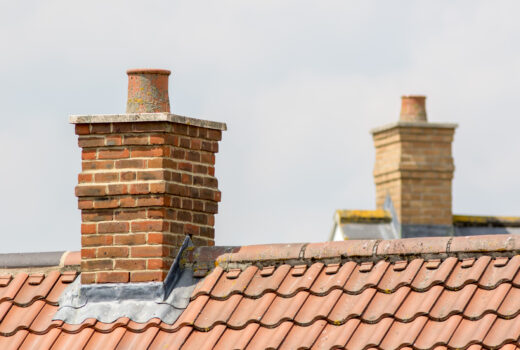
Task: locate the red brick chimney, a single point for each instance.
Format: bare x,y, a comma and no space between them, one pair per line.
147,181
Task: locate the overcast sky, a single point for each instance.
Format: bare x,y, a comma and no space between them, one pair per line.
299,84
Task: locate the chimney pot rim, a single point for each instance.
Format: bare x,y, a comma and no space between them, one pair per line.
414,96
148,71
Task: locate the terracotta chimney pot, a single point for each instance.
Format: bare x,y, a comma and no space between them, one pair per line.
413,108
148,91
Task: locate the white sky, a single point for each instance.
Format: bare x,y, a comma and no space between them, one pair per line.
299,83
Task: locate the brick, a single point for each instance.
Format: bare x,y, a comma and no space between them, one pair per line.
198,205
112,252
103,203
193,130
130,264
176,227
210,182
151,126
85,178
82,129
193,156
122,127
148,251
180,129
130,239
85,204
136,139
149,152
156,238
184,216
128,175
117,189
87,229
191,229
187,204
113,153
151,175
148,226
113,140
196,144
161,139
157,163
139,188
147,276
131,163
113,277
85,142
106,177
215,135
159,264
159,213
178,153
103,128
207,158
186,179
88,154
98,165
88,253
158,187
113,227
184,142
127,202
97,265
88,277
200,218
151,201
96,240
127,215
200,169
206,231
97,215
90,190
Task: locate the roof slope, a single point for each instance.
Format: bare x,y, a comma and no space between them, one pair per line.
440,293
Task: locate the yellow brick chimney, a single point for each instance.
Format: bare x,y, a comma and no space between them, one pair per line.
414,169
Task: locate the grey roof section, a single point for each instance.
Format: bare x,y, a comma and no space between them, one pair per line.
368,231
14,260
414,125
145,117
482,230
410,231
140,302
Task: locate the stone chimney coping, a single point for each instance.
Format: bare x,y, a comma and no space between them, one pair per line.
413,125
145,117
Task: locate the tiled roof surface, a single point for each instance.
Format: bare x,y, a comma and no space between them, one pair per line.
455,293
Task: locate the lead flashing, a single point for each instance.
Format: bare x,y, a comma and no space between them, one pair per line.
413,125
140,302
145,117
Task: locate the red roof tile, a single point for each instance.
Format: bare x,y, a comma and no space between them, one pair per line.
404,294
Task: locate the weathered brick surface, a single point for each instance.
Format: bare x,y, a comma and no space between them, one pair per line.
142,188
414,166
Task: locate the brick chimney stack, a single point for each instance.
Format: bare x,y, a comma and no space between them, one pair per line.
414,170
147,181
